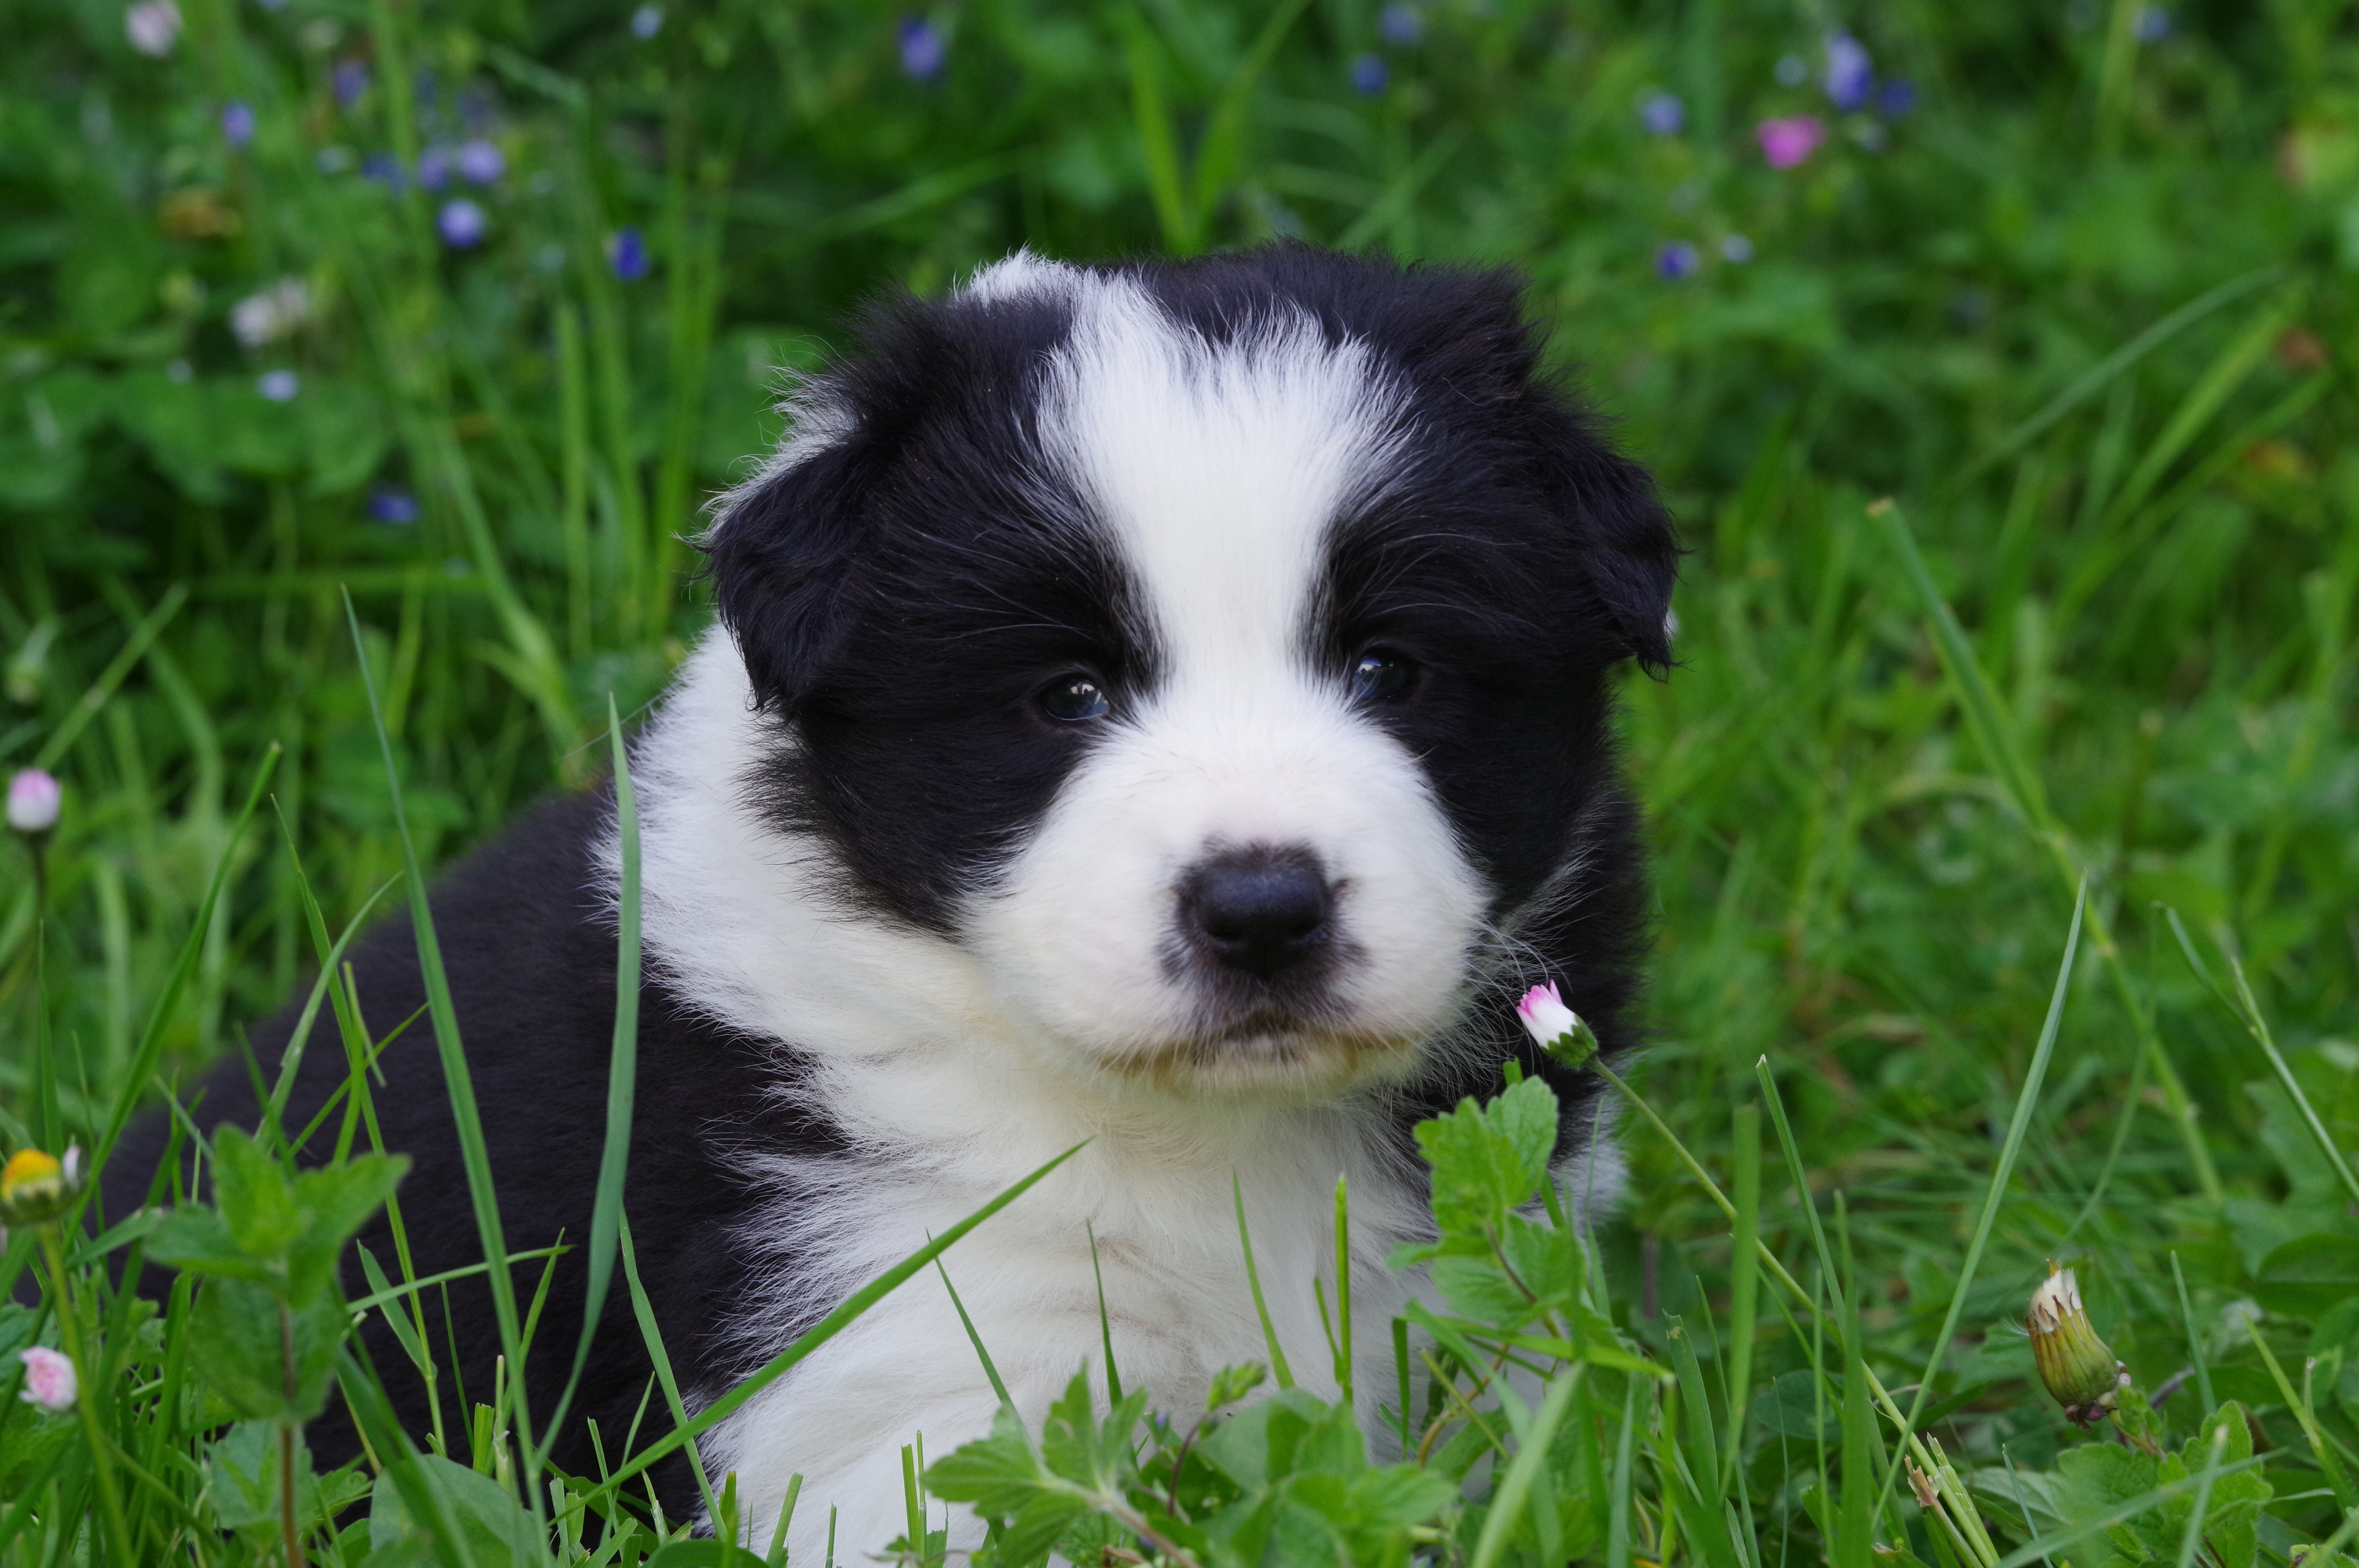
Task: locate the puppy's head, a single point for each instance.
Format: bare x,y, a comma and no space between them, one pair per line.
1216,650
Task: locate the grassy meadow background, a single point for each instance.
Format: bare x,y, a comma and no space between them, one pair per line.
466,306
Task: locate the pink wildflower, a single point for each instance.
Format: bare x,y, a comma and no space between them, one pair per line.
1789,141
33,801
48,1378
1545,1015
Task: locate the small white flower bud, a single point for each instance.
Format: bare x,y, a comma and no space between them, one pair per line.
33,796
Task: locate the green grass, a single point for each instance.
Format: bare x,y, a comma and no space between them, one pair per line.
2084,311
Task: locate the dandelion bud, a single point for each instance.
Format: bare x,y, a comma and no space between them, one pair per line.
36,1186
2073,1362
1558,1029
48,1378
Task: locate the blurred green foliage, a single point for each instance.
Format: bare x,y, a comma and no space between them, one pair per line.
470,306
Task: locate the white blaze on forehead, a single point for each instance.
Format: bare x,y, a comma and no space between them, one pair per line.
1218,469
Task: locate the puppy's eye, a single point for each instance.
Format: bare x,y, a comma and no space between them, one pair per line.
1076,699
1381,676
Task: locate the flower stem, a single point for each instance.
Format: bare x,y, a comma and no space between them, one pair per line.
102,1452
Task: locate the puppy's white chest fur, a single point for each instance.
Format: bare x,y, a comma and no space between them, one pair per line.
943,1097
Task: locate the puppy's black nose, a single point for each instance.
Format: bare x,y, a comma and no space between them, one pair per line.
1259,911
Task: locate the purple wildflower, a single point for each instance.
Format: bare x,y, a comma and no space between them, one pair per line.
627,251
1896,97
1662,114
1368,74
386,169
434,167
2152,26
1677,260
1849,77
350,79
279,385
461,223
646,22
924,52
1401,24
479,162
387,504
237,122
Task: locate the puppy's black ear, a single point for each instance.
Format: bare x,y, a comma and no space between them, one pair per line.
781,558
1633,555
1473,332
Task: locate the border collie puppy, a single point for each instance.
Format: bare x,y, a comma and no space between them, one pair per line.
1163,705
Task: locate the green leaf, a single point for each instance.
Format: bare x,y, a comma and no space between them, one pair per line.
496,1529
1489,1162
2309,1276
336,1202
1002,1476
1290,1432
198,1241
255,1199
237,1345
242,1470
1478,1287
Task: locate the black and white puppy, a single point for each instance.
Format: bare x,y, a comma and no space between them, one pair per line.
1164,704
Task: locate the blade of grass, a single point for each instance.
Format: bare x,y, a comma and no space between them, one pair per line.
652,1333
458,1082
1278,1366
135,648
2345,1492
1531,1453
2194,1340
622,1075
2247,1010
1217,155
1158,143
1744,1281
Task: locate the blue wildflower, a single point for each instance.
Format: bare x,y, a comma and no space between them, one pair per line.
1401,22
386,169
646,22
1677,260
479,162
1368,74
627,251
387,504
1736,248
350,79
1662,114
237,122
461,223
434,167
1849,77
1896,97
279,385
924,52
2153,25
